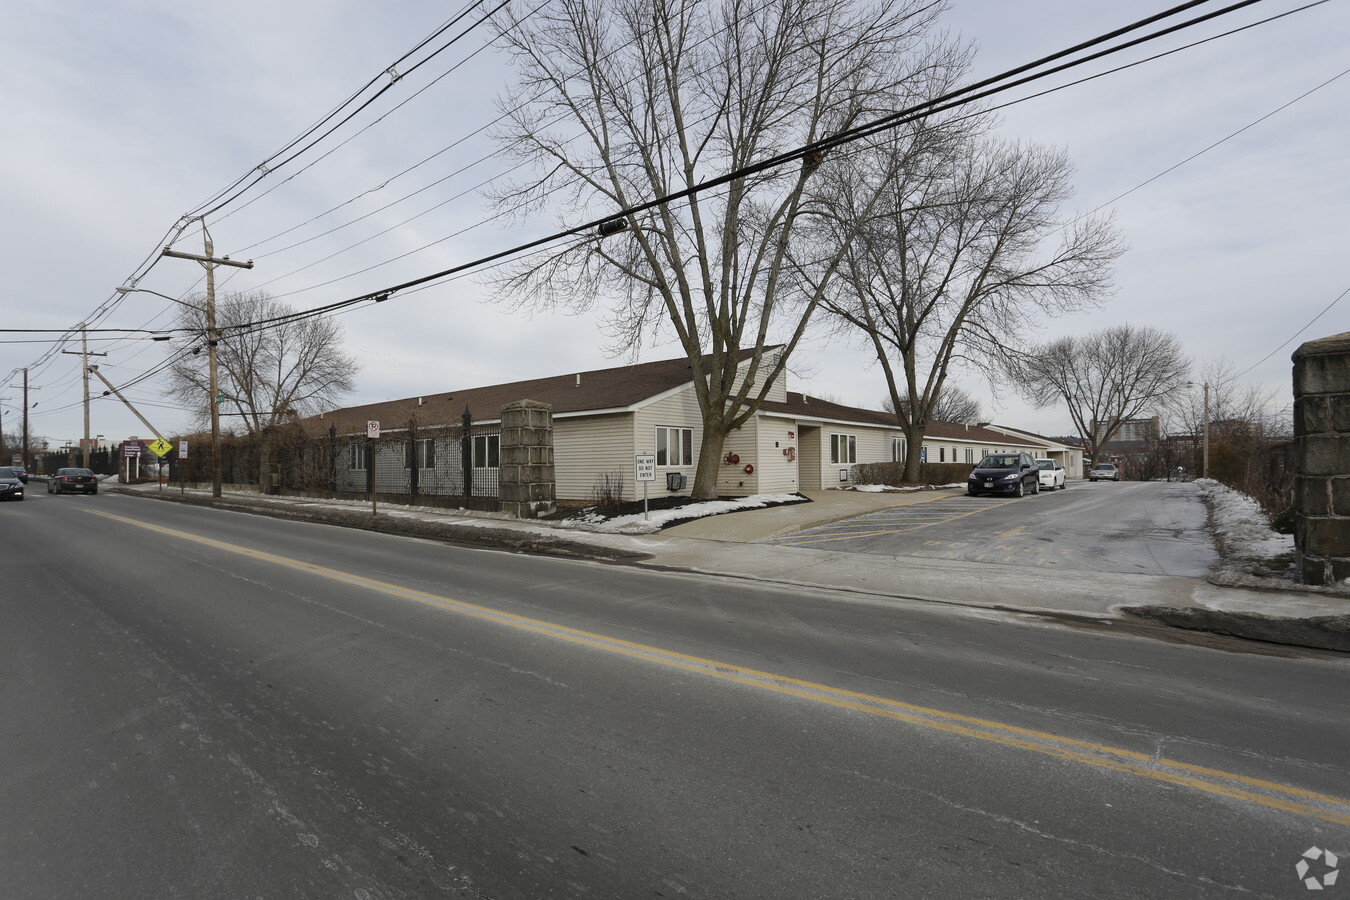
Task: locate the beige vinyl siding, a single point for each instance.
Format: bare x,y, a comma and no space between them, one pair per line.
679,410
732,479
778,391
775,473
585,448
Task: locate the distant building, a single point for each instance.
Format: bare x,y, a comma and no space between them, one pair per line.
1132,433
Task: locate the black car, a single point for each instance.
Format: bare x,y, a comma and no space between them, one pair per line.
67,480
1005,473
11,485
21,471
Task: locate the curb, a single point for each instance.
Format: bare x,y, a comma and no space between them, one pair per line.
1318,632
482,538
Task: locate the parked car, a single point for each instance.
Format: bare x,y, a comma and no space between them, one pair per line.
1103,472
67,480
1005,473
11,485
1052,474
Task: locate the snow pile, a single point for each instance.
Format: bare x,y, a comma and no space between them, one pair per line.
1241,524
890,489
659,518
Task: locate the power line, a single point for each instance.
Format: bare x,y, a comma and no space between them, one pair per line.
948,101
1311,321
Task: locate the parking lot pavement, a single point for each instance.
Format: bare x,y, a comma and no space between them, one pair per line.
826,507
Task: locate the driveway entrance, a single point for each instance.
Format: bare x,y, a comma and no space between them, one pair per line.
1146,528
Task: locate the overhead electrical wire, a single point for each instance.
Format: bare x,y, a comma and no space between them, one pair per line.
271,163
965,95
951,100
560,187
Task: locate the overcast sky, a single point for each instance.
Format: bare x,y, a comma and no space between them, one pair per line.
121,117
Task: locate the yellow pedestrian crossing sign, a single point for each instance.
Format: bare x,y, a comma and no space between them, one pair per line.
159,446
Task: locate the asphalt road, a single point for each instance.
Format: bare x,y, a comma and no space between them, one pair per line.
196,703
1143,528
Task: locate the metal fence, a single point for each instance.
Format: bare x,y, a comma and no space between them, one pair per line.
436,465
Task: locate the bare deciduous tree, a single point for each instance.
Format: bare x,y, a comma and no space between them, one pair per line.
952,405
1105,378
950,268
267,375
624,101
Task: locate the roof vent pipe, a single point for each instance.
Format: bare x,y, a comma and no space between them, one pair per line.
578,379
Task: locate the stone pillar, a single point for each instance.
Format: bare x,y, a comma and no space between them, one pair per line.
526,474
1322,459
269,473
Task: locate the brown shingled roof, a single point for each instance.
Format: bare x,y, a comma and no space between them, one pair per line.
602,389
598,389
802,406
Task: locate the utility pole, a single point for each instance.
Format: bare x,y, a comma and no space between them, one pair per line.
2,432
209,262
127,403
84,355
23,451
1206,456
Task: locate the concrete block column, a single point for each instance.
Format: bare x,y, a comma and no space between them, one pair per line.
526,477
1322,459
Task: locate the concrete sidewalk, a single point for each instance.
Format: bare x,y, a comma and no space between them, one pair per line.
730,545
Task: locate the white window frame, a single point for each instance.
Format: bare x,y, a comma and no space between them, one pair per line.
487,451
683,444
899,449
424,453
358,458
848,443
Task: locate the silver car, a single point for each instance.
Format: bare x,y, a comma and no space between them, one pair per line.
1103,472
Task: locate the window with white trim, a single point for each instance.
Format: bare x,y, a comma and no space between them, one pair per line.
674,446
942,454
899,449
422,454
487,449
843,449
970,455
359,459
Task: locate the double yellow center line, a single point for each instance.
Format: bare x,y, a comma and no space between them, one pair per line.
1211,781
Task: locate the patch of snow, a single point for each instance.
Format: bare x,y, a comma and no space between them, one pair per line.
1241,524
892,489
657,518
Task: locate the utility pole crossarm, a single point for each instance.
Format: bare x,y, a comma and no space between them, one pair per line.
208,259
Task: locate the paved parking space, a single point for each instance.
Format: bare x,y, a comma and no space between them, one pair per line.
896,520
1127,527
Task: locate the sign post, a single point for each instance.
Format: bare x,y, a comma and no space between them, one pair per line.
644,466
131,449
372,432
182,455
160,447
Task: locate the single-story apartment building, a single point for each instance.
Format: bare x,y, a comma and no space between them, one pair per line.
603,418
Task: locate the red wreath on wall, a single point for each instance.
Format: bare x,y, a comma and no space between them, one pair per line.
731,459
749,469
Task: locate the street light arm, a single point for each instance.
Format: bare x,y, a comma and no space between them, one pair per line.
135,290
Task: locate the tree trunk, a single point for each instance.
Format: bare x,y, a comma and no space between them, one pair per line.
709,462
913,454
